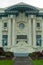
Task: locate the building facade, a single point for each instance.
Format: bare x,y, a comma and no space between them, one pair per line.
21,28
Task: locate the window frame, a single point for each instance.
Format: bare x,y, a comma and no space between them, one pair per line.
38,40
5,24
38,24
4,39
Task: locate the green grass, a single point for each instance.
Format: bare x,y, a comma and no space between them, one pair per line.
6,62
37,62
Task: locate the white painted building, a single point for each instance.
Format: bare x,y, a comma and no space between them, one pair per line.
21,28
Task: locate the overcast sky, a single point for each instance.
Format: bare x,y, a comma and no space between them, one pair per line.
6,3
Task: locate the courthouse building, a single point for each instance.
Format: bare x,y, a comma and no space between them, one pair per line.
21,28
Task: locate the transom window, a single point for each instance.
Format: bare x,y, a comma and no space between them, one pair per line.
38,40
21,36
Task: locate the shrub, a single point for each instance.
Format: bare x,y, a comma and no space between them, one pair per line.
36,55
9,54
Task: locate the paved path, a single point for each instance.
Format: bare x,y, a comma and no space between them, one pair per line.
22,61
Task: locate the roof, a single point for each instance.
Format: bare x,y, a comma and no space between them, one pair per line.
21,6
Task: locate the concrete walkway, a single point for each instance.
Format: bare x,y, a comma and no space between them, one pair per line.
22,61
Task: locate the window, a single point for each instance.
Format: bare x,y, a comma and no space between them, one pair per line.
5,24
21,36
4,40
38,40
38,25
21,26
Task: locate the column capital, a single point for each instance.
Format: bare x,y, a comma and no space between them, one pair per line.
32,16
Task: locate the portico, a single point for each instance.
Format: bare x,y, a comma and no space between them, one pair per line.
21,39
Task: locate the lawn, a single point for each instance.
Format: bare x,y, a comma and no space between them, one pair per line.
6,62
37,62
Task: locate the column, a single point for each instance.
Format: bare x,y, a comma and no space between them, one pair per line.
29,36
9,32
1,32
34,32
13,32
42,32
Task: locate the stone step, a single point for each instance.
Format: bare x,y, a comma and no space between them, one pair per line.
22,61
21,54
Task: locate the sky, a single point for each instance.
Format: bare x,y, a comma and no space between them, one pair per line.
6,3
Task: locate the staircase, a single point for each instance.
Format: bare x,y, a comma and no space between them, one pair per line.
21,54
22,61
20,48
